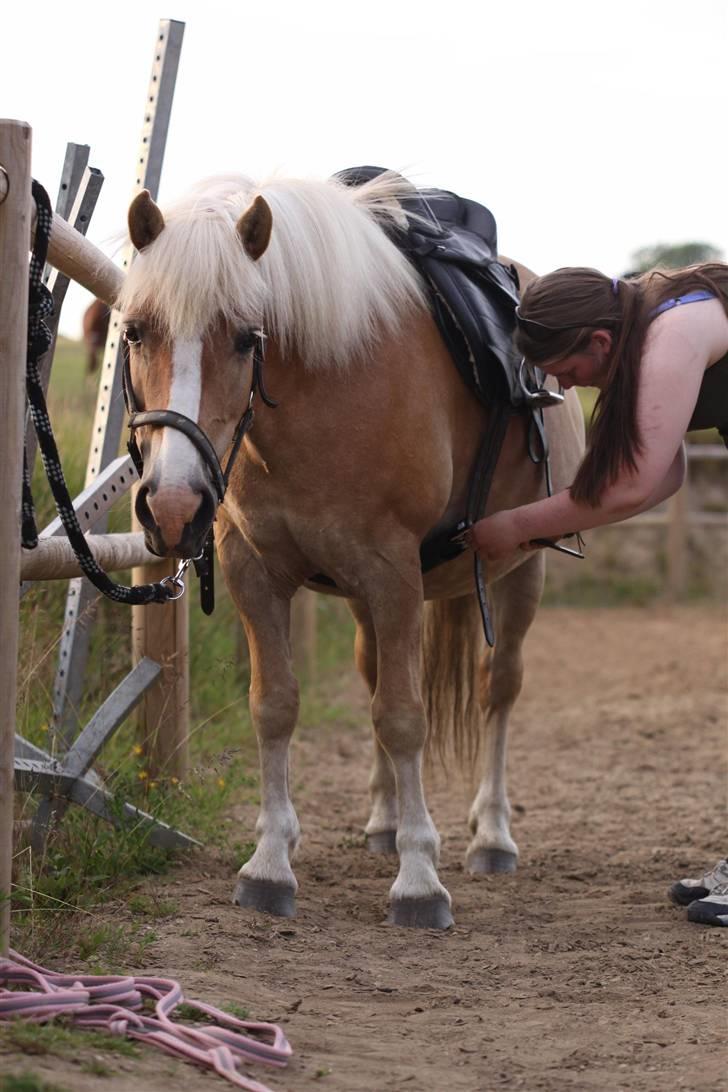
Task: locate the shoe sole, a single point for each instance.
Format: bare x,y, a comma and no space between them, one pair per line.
682,895
714,913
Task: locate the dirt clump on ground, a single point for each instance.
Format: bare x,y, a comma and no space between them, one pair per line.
574,973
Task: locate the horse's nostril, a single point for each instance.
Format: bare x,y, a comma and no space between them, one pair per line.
142,509
204,515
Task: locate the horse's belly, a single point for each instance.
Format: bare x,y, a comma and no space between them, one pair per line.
457,577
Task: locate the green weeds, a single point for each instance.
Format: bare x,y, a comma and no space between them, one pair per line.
28,1082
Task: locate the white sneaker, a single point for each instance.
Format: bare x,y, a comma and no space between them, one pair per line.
713,909
686,891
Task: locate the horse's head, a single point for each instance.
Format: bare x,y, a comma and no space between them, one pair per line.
190,362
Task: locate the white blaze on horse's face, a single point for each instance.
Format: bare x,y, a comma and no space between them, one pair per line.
178,460
176,500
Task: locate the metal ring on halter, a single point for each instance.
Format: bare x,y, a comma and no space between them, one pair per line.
541,397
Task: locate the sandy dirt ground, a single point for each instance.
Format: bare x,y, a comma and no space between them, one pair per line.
574,973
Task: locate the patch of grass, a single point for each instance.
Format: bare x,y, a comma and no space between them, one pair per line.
151,906
189,1013
96,1067
193,1015
110,949
28,1082
59,1039
236,1010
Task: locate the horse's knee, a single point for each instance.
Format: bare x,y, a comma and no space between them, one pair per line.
400,731
505,677
275,711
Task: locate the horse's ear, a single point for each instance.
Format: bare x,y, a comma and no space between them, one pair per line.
145,220
254,228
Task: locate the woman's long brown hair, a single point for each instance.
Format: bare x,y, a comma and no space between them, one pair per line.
584,300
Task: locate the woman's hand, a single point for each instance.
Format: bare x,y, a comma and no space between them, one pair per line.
497,537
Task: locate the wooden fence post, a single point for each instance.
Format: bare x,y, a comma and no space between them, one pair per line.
160,631
15,212
677,536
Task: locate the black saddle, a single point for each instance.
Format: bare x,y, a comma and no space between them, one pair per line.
452,241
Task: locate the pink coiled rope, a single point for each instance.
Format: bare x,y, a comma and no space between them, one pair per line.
114,1003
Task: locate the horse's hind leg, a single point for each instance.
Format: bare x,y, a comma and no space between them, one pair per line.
381,830
515,600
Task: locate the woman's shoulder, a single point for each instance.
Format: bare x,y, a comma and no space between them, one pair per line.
701,326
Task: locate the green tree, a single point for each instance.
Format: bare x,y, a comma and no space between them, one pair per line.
673,256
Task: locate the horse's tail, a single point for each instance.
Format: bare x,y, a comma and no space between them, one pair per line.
455,674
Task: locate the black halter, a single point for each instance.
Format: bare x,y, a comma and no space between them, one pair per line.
166,418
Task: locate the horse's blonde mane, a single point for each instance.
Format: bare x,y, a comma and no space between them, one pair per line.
330,284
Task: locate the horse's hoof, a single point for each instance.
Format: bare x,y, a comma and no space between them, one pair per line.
432,913
268,897
484,861
383,841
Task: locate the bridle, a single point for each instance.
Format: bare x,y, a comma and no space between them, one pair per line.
219,476
166,418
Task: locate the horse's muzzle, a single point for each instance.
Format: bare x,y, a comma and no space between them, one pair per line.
175,521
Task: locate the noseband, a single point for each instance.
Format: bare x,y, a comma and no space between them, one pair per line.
166,418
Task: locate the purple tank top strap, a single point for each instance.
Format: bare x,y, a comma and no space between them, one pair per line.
689,297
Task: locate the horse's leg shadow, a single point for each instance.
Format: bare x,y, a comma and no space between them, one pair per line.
381,829
515,599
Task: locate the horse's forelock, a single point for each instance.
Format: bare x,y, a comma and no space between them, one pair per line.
329,284
194,274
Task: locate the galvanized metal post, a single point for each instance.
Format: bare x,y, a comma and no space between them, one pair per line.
109,417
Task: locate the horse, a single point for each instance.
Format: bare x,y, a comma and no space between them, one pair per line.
363,440
95,326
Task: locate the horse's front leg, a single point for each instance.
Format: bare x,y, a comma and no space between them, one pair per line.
417,898
266,882
381,829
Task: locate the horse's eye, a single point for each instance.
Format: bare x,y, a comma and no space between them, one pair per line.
244,341
132,334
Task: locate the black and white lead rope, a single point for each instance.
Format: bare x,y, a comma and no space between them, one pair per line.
39,338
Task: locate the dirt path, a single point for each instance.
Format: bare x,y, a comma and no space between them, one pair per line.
575,973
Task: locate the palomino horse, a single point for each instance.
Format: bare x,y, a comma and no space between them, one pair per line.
366,454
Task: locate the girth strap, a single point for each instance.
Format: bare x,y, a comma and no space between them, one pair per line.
481,481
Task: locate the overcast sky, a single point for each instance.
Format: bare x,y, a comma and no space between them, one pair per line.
589,129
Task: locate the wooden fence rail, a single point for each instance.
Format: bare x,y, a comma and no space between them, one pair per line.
678,517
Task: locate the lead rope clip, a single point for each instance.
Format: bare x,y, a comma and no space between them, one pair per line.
176,580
